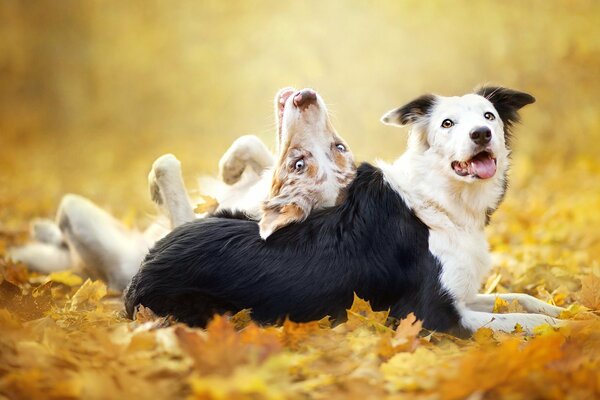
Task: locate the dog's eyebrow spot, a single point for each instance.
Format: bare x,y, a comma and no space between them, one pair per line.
312,170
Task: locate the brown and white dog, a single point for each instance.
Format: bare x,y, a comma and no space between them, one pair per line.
314,166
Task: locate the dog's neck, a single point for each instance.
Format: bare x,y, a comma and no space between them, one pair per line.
438,199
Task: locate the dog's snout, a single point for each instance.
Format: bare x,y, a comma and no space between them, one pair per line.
304,98
481,135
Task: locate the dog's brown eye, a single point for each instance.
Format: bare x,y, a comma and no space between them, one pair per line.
447,123
489,116
340,147
299,164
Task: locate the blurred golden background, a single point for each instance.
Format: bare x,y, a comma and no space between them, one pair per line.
92,92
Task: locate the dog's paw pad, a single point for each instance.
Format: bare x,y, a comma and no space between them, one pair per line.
155,193
166,164
232,171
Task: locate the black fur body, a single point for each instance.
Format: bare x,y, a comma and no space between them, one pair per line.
372,245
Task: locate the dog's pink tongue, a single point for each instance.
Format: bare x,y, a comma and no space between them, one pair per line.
483,167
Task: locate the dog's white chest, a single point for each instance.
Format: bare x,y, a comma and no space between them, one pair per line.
465,260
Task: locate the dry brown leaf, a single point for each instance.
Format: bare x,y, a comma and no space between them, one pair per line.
242,318
589,295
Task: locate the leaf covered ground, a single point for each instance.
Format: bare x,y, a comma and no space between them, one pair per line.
90,95
64,337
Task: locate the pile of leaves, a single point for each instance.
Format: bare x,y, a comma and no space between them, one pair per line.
64,337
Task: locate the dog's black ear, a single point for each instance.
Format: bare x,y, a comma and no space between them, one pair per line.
506,101
411,112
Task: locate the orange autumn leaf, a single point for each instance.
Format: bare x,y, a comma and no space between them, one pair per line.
406,335
589,295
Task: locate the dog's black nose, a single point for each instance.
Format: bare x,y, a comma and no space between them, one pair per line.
481,135
305,97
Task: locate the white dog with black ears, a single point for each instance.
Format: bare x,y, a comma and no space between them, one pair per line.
454,176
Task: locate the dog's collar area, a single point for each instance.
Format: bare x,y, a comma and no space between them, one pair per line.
481,166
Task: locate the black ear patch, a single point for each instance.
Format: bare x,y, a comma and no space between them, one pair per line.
411,112
507,102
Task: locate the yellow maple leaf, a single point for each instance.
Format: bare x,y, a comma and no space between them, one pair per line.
209,205
88,295
544,329
577,311
484,336
65,277
502,306
361,314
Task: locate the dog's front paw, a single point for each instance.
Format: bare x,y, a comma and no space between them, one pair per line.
164,168
232,170
46,231
245,150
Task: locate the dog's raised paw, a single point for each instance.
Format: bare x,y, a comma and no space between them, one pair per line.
165,167
46,231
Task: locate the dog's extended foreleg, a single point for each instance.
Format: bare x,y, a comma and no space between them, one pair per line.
246,151
473,320
168,190
485,302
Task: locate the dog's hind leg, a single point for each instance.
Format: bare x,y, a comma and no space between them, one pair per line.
485,302
245,151
473,320
168,190
42,257
48,252
107,249
46,231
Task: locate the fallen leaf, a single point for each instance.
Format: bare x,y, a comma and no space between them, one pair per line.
65,277
589,295
209,205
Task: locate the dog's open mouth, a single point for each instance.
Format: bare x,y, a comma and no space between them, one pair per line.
482,166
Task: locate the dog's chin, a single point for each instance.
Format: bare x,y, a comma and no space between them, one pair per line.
481,166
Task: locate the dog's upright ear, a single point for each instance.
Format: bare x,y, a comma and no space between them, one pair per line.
507,102
276,215
411,112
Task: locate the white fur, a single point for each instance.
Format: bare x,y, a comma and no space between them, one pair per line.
43,256
246,195
168,190
454,207
106,249
246,152
88,239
